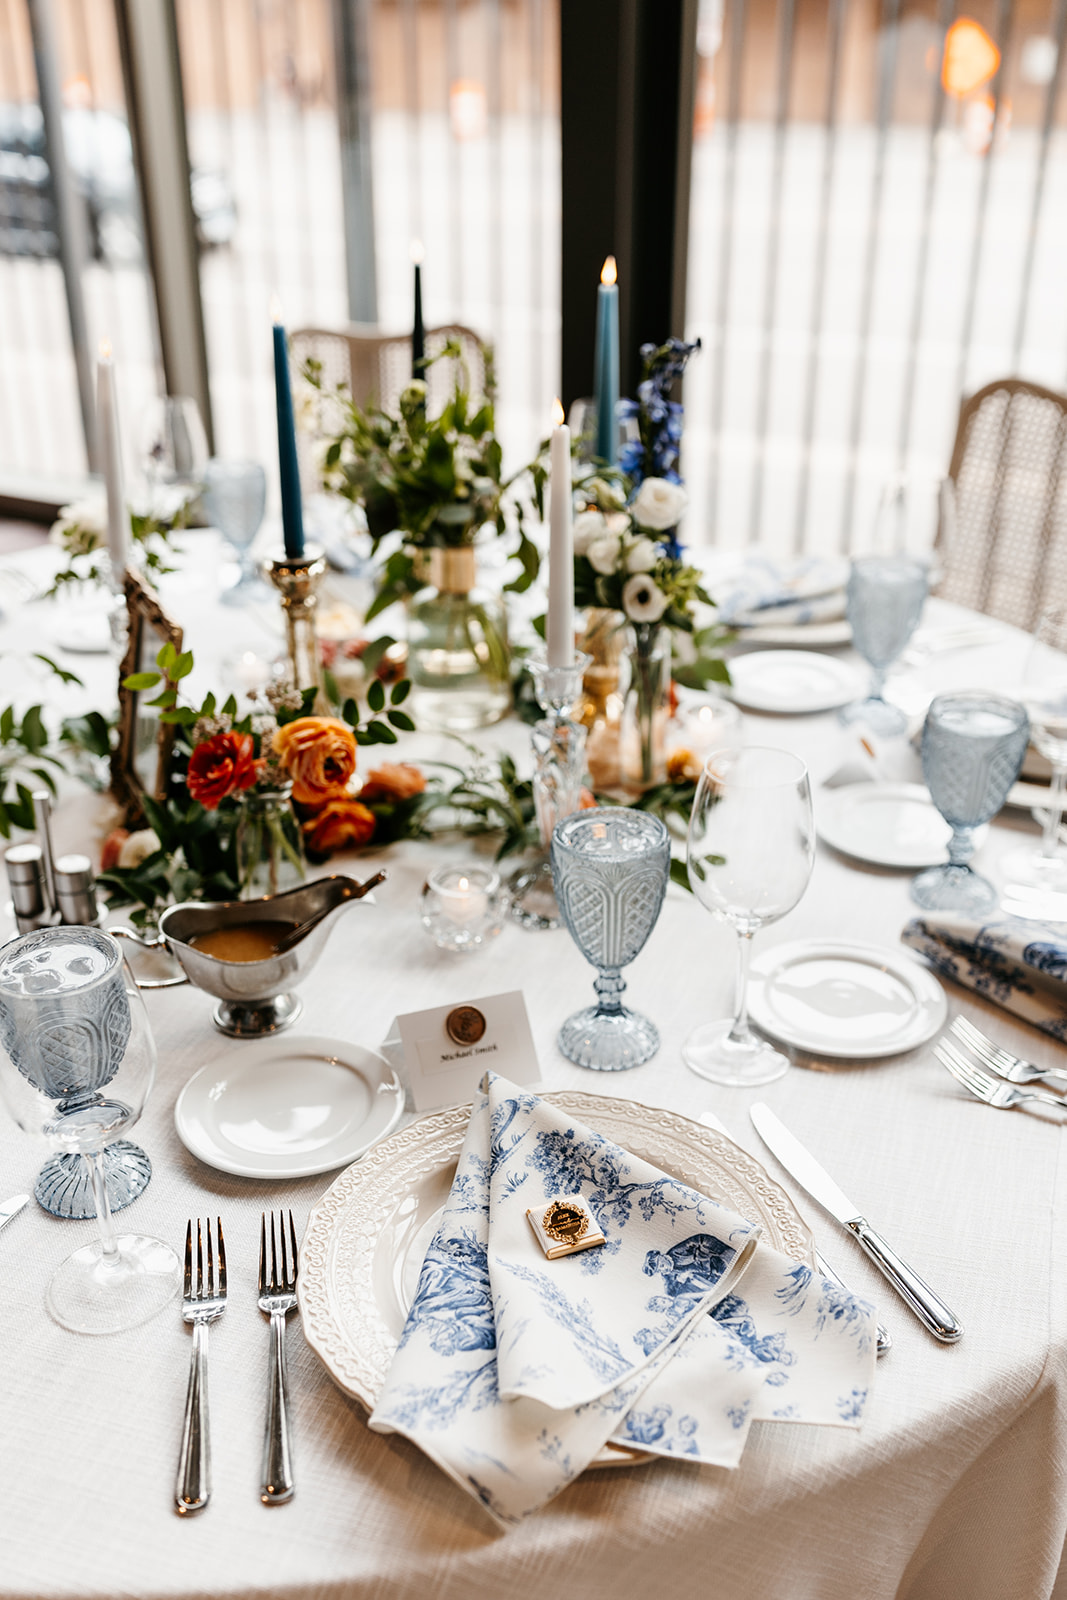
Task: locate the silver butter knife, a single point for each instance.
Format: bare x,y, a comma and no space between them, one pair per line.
917,1295
882,1338
11,1208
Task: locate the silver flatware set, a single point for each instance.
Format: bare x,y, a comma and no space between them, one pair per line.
994,1075
203,1302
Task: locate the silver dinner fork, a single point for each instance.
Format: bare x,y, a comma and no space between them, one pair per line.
277,1297
200,1306
1002,1062
994,1091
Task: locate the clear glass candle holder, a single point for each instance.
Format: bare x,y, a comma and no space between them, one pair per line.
463,908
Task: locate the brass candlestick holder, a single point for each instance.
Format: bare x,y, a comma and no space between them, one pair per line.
297,580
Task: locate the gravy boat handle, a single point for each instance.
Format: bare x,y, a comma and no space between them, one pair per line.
158,943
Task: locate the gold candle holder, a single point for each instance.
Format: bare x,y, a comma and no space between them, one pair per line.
297,580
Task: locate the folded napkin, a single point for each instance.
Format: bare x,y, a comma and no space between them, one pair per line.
1015,962
514,1370
764,591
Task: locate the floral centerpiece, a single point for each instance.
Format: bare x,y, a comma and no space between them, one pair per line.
249,794
655,453
431,486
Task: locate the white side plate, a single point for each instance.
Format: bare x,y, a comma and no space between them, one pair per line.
854,1000
288,1106
889,824
799,635
793,681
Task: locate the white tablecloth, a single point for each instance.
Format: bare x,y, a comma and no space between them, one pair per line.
953,1490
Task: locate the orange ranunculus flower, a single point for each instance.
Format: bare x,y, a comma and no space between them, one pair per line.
222,766
341,821
587,800
683,766
393,780
111,847
319,754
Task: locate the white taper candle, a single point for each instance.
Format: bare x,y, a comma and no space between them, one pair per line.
110,444
559,625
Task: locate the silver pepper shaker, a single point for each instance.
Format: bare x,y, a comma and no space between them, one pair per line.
42,816
25,874
76,890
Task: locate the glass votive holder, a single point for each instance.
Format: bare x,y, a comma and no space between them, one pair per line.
462,908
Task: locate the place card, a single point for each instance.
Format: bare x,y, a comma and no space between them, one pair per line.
447,1049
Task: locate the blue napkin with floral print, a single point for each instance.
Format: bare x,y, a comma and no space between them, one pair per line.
1017,963
763,591
513,1370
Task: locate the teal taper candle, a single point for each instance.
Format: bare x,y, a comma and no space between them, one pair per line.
288,467
606,384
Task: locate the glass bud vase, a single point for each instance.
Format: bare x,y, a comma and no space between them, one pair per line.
600,708
269,844
646,710
457,649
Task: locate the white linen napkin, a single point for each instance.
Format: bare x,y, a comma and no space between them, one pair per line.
1017,963
513,1370
763,590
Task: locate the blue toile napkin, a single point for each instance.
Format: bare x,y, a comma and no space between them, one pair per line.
764,591
513,1371
1017,963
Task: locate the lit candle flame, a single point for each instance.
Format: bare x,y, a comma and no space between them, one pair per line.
275,311
463,885
105,349
558,413
417,252
609,272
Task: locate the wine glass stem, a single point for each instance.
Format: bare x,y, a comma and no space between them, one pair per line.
94,1160
741,1033
1057,798
609,987
877,683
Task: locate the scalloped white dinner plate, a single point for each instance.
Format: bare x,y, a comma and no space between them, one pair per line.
793,681
366,1238
288,1107
842,999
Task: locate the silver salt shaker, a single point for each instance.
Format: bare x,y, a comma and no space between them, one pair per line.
76,890
25,874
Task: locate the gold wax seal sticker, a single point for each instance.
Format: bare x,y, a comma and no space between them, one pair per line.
565,1222
465,1025
564,1226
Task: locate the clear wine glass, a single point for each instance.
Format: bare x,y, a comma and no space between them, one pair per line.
235,497
174,453
884,601
610,867
751,849
77,1060
973,747
1035,880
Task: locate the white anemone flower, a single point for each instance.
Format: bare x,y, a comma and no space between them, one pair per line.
659,504
641,556
603,554
137,847
642,600
588,525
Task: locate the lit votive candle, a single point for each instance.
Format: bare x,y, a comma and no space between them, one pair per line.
462,907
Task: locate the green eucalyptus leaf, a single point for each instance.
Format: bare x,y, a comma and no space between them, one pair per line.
376,695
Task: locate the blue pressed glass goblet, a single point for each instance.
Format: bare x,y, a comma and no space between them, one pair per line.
77,1060
973,747
235,497
884,602
610,867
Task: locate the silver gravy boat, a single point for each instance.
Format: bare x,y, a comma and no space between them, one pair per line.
254,997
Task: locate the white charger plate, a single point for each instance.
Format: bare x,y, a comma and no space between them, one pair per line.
792,681
889,824
836,999
366,1238
288,1106
804,635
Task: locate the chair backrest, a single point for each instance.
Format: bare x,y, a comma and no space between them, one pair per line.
376,366
1004,549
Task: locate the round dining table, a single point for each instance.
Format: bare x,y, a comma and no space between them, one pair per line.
954,1488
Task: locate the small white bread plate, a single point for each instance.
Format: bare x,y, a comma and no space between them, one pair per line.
889,824
366,1238
837,999
792,681
802,635
288,1107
